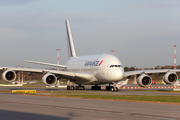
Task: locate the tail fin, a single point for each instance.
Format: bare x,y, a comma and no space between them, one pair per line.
70,43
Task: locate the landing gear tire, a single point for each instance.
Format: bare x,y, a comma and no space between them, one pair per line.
79,87
114,89
95,87
92,87
98,87
82,88
70,87
107,87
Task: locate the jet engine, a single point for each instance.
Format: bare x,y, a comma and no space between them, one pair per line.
9,76
49,79
170,78
144,80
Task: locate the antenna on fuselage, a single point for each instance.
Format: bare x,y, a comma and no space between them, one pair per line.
70,43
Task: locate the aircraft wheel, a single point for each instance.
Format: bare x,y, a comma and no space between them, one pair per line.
116,89
68,87
72,87
98,87
112,89
92,87
77,87
107,87
82,87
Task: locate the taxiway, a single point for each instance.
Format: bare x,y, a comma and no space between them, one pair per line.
20,107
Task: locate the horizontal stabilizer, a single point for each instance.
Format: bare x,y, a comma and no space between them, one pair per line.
49,64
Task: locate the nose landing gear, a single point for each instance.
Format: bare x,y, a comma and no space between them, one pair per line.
112,88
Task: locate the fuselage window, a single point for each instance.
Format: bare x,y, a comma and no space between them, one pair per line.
115,66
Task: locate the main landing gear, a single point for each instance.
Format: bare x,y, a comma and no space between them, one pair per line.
109,88
79,87
112,88
95,87
76,87
70,87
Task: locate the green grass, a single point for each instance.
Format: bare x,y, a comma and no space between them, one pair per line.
90,95
4,83
39,82
172,99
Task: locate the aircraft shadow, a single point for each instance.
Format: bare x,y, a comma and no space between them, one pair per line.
14,115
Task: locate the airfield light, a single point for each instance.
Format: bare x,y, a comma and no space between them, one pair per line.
175,56
58,57
112,51
58,62
135,82
18,76
22,76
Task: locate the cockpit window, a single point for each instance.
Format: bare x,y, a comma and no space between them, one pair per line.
115,66
112,66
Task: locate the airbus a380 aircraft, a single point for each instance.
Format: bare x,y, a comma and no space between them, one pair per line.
90,70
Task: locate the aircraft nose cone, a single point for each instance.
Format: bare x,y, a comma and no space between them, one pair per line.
119,74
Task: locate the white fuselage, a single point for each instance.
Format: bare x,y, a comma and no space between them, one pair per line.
177,83
122,83
104,68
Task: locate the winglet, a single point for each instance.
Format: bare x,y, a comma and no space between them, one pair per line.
70,43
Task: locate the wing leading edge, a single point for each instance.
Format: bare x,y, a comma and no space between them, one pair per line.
130,73
74,76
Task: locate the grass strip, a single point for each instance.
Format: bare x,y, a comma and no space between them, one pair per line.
172,99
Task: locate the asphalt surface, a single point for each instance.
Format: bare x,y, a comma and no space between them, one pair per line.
164,92
20,107
49,91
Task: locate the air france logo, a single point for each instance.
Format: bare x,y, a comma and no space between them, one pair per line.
93,63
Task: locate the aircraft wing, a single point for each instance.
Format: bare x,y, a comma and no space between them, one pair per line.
130,73
49,64
83,77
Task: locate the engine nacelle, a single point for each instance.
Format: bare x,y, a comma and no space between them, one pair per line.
9,76
144,80
49,79
170,78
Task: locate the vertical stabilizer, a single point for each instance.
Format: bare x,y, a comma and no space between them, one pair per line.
70,43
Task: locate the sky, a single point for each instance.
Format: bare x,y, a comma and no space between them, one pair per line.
141,32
